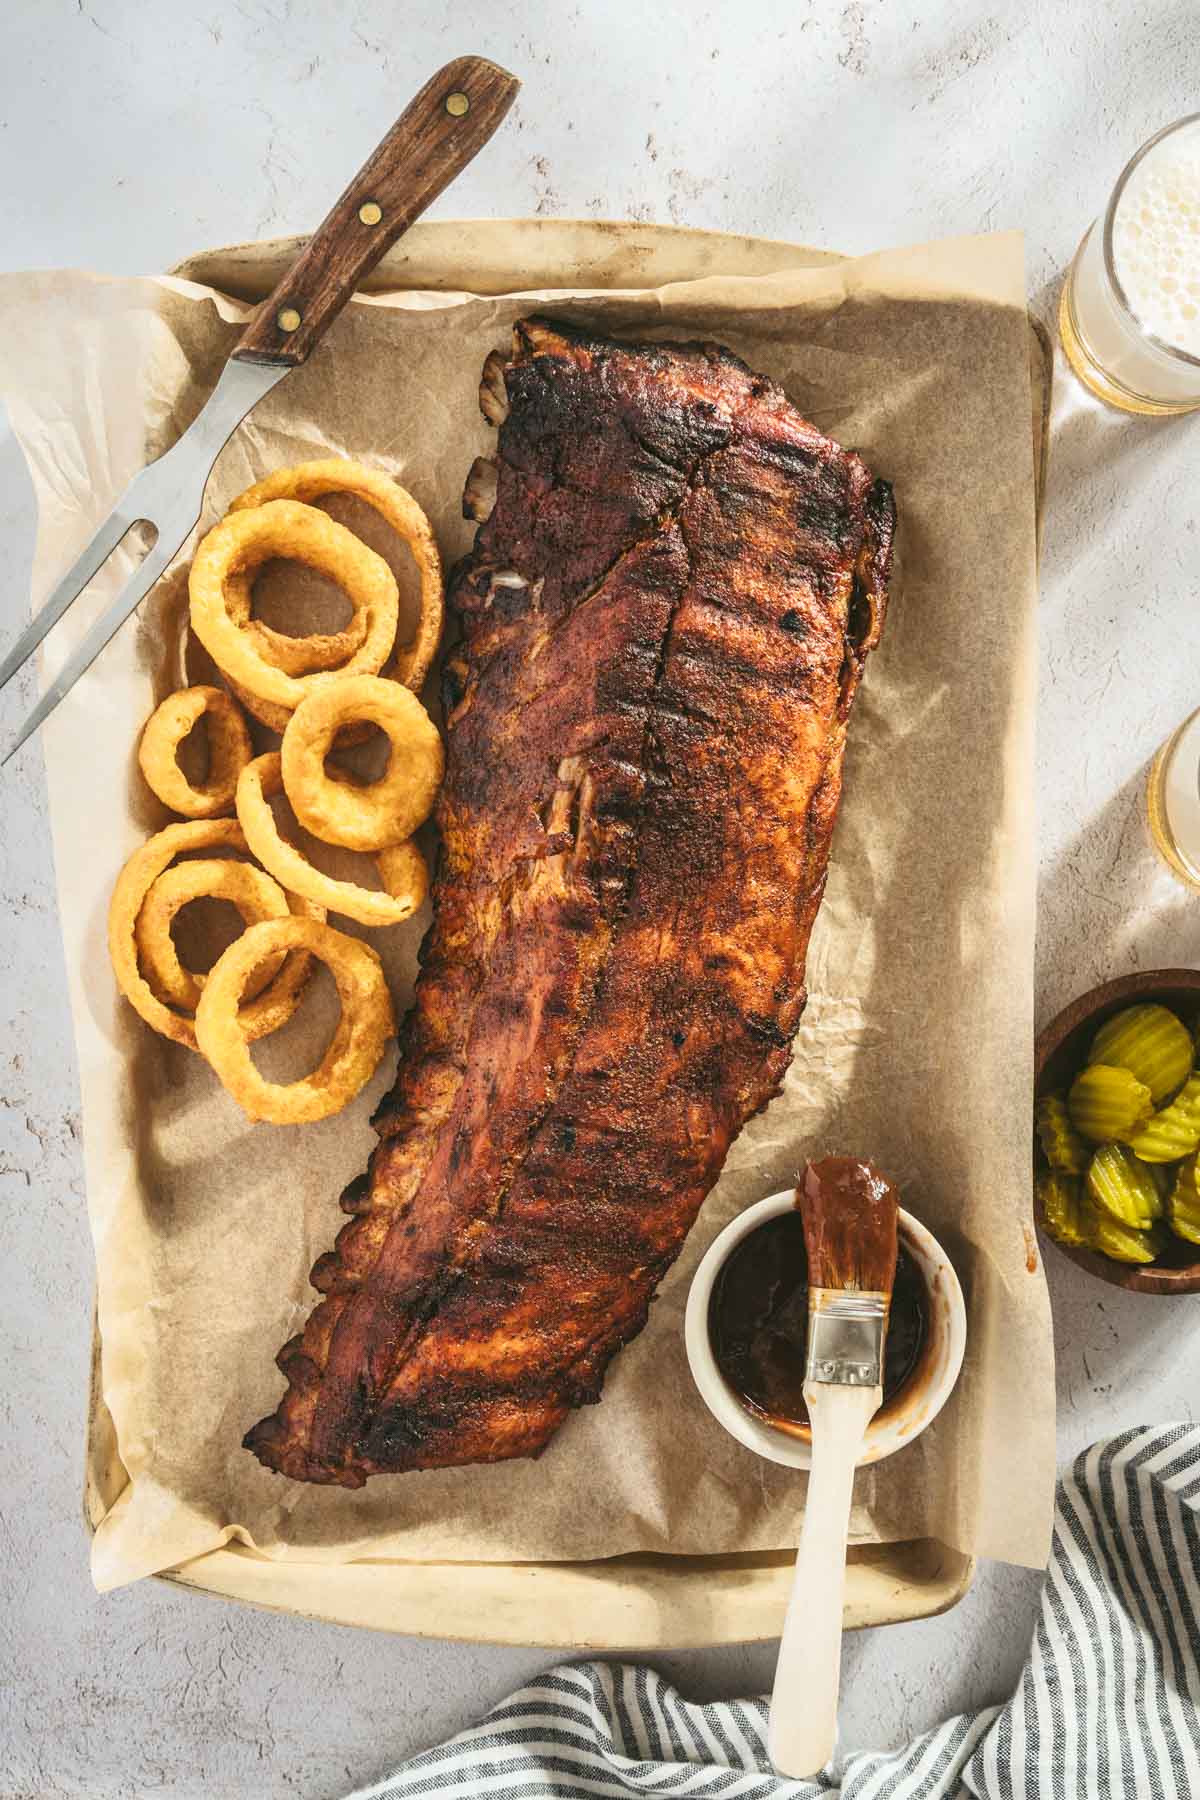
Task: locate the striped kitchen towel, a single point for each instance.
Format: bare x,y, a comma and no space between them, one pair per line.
1108,1704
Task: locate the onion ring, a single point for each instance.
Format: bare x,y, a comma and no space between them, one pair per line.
255,895
274,717
229,750
294,655
272,1008
401,867
287,528
310,481
382,812
366,1024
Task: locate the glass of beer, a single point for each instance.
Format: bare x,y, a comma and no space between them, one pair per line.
1130,309
1173,802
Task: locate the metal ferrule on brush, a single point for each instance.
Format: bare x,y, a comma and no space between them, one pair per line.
845,1337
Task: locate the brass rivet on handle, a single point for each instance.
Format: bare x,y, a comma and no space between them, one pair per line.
457,105
288,319
370,212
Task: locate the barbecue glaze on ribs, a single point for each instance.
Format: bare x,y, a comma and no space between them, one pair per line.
664,623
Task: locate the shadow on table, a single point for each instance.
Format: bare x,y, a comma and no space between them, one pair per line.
1100,458
917,1675
1139,916
1110,1348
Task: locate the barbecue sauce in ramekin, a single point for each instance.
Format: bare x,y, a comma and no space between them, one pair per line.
758,1322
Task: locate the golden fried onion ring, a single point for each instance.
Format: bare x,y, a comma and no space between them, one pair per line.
401,867
381,812
287,528
366,1024
228,753
310,481
255,895
294,655
274,717
272,1008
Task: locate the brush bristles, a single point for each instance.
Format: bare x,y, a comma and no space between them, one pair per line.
849,1211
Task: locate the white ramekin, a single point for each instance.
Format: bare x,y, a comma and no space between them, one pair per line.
904,1418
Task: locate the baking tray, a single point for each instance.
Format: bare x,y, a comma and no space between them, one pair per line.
635,1602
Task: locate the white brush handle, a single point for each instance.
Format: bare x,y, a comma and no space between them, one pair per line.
804,1702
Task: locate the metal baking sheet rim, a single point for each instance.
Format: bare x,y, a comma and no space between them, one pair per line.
639,1602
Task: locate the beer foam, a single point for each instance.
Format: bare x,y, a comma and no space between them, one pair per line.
1156,241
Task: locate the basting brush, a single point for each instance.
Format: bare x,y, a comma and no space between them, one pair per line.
849,1211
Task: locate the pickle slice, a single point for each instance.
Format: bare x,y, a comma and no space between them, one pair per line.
1151,1043
1061,1197
1120,1244
1106,1103
1163,1177
1123,1188
1062,1144
1172,1133
1183,1208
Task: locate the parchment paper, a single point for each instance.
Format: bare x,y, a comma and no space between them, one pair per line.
916,1046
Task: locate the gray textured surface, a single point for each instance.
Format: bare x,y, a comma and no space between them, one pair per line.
133,133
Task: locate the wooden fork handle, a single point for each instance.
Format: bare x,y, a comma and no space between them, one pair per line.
432,141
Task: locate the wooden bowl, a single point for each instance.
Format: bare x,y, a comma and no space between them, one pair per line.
1058,1057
